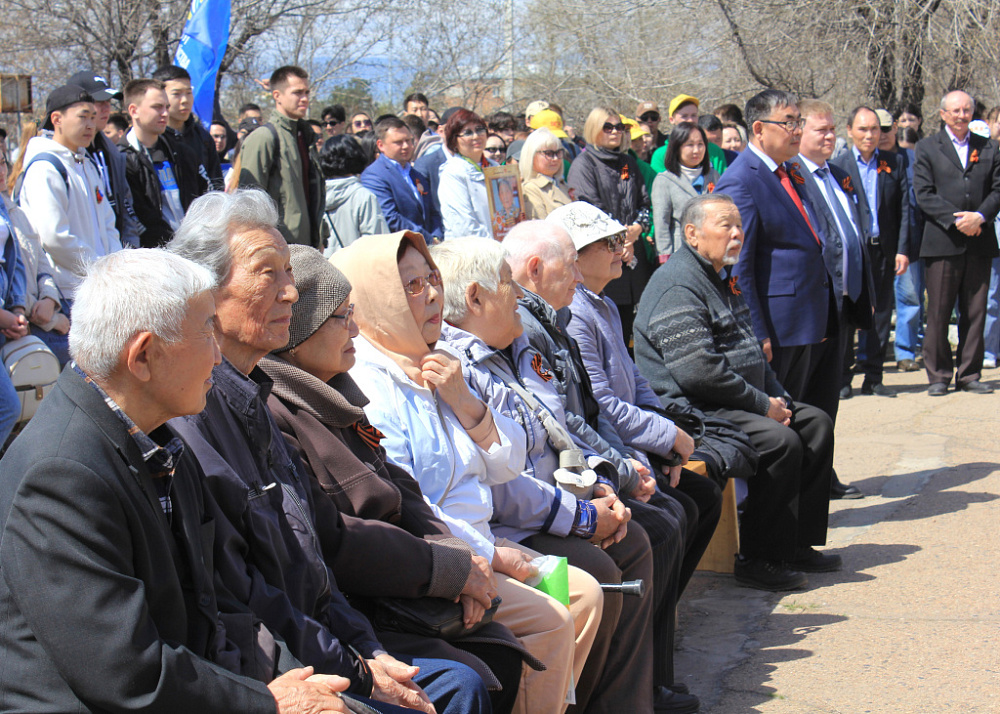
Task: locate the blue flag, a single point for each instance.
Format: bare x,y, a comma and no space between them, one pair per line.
200,52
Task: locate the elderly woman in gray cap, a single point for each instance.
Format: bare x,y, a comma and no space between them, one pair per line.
319,409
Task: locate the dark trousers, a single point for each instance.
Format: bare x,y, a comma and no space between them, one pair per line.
965,277
874,343
791,366
618,676
701,499
788,499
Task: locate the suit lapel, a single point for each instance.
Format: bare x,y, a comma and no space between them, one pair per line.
773,183
948,149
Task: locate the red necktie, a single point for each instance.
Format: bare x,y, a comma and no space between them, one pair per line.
786,183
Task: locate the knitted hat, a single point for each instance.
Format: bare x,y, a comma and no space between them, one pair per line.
322,289
585,223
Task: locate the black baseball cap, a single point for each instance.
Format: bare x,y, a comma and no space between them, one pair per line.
96,86
62,97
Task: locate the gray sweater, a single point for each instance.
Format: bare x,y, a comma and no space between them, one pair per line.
693,338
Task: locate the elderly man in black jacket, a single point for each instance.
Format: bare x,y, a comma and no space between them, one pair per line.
694,339
105,554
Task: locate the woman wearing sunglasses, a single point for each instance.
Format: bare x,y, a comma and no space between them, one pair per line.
606,177
496,148
542,180
465,209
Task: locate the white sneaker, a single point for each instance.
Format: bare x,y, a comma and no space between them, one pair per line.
989,363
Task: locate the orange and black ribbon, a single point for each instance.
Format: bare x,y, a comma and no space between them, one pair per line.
369,434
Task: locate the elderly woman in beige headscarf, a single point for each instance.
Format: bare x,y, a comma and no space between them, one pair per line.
459,450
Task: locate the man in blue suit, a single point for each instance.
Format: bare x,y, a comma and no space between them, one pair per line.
780,272
403,192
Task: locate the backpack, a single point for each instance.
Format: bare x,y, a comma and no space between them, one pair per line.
42,156
33,369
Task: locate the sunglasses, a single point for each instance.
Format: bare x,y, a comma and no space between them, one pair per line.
469,133
346,317
609,127
494,149
649,117
330,122
362,122
615,243
417,286
552,154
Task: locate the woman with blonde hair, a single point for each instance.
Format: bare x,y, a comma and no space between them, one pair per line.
542,180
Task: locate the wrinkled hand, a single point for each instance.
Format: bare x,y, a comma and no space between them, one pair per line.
13,325
43,310
394,684
646,488
640,468
472,610
481,585
968,222
443,371
683,445
62,324
902,263
779,411
612,520
673,474
299,691
513,563
766,346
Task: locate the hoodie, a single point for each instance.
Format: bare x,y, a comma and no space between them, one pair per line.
352,211
76,226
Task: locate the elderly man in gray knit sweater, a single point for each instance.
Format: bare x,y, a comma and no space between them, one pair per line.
694,340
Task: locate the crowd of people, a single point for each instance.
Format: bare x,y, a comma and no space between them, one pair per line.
318,433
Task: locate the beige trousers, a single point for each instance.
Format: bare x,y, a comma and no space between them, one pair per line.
559,637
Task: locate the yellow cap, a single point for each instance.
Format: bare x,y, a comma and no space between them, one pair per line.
676,102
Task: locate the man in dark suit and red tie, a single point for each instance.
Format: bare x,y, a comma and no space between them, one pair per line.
781,270
883,190
956,179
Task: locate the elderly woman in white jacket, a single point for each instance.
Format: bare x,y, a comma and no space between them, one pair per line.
460,451
465,209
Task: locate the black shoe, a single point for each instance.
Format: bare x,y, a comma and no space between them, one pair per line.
845,392
938,389
976,387
810,560
879,390
907,365
767,575
670,700
679,688
840,490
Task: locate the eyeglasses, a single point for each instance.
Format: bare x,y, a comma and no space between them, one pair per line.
469,133
346,317
494,149
650,117
615,243
362,122
330,122
789,126
609,127
552,154
417,286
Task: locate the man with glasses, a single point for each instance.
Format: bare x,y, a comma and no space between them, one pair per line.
648,115
781,272
403,192
334,120
956,180
281,159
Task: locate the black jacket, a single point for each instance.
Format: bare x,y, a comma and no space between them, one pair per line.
102,607
893,193
121,195
204,158
943,188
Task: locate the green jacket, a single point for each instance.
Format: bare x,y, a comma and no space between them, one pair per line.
715,157
300,215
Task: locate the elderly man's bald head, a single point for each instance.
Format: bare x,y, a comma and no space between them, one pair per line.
543,260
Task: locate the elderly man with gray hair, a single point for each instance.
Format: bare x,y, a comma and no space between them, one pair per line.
107,595
279,525
695,340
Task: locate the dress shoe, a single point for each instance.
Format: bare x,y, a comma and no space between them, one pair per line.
976,387
845,392
767,575
810,560
879,390
938,389
840,490
670,700
907,365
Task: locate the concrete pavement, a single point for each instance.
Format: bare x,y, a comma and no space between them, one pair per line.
912,623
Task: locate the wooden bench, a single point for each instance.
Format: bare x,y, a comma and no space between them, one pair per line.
720,554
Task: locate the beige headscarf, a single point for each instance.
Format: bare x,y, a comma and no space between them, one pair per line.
380,305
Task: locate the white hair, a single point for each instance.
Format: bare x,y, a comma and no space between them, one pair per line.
534,238
204,234
462,262
128,292
537,140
